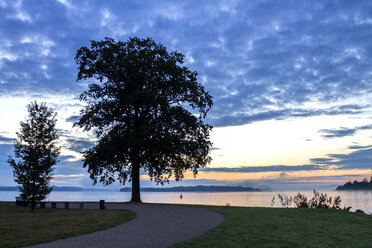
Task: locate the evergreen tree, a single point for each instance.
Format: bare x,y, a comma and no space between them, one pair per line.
37,153
147,111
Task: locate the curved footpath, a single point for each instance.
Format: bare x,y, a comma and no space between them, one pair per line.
155,225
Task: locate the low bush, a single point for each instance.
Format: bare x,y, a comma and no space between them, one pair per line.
319,200
359,211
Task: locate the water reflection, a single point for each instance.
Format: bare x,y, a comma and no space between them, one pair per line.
356,199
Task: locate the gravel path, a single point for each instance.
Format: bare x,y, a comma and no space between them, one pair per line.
155,225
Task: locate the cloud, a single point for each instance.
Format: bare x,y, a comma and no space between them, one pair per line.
215,149
79,144
269,61
73,118
356,147
336,133
260,60
299,184
321,161
359,159
6,173
67,176
6,141
342,132
283,175
18,12
67,4
240,119
271,168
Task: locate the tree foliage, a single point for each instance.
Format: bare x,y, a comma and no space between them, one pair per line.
147,111
356,185
37,153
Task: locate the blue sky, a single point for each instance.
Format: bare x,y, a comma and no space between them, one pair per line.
291,81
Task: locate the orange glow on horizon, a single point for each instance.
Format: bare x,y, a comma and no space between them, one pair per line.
240,176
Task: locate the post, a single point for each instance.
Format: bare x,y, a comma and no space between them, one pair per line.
33,204
20,202
102,204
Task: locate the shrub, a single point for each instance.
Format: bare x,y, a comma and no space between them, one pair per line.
319,200
346,208
359,211
300,201
286,201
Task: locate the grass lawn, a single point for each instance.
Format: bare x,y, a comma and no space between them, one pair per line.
278,227
20,227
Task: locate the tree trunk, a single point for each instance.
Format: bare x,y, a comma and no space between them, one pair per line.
136,193
32,204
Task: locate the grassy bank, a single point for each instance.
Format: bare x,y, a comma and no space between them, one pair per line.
20,227
275,227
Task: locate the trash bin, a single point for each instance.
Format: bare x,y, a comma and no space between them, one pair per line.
102,204
82,205
54,205
67,205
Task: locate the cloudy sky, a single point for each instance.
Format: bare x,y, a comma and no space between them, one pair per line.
291,82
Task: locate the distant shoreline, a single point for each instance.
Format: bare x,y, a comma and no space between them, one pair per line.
198,188
64,189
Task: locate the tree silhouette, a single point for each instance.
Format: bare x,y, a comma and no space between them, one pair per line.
356,185
36,149
147,112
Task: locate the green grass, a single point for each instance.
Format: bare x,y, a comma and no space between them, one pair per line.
278,227
20,227
243,227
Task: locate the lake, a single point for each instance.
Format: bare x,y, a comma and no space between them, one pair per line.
356,199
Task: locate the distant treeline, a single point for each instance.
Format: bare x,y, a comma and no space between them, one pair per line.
356,185
198,188
67,188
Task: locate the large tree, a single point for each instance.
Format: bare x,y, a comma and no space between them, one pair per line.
37,153
147,111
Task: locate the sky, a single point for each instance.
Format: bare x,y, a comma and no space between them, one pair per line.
291,82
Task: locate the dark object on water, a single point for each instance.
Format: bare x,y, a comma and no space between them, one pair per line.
102,204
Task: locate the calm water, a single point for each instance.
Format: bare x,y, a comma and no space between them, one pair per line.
355,199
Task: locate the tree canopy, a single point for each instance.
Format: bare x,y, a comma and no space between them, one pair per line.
356,185
146,109
36,149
